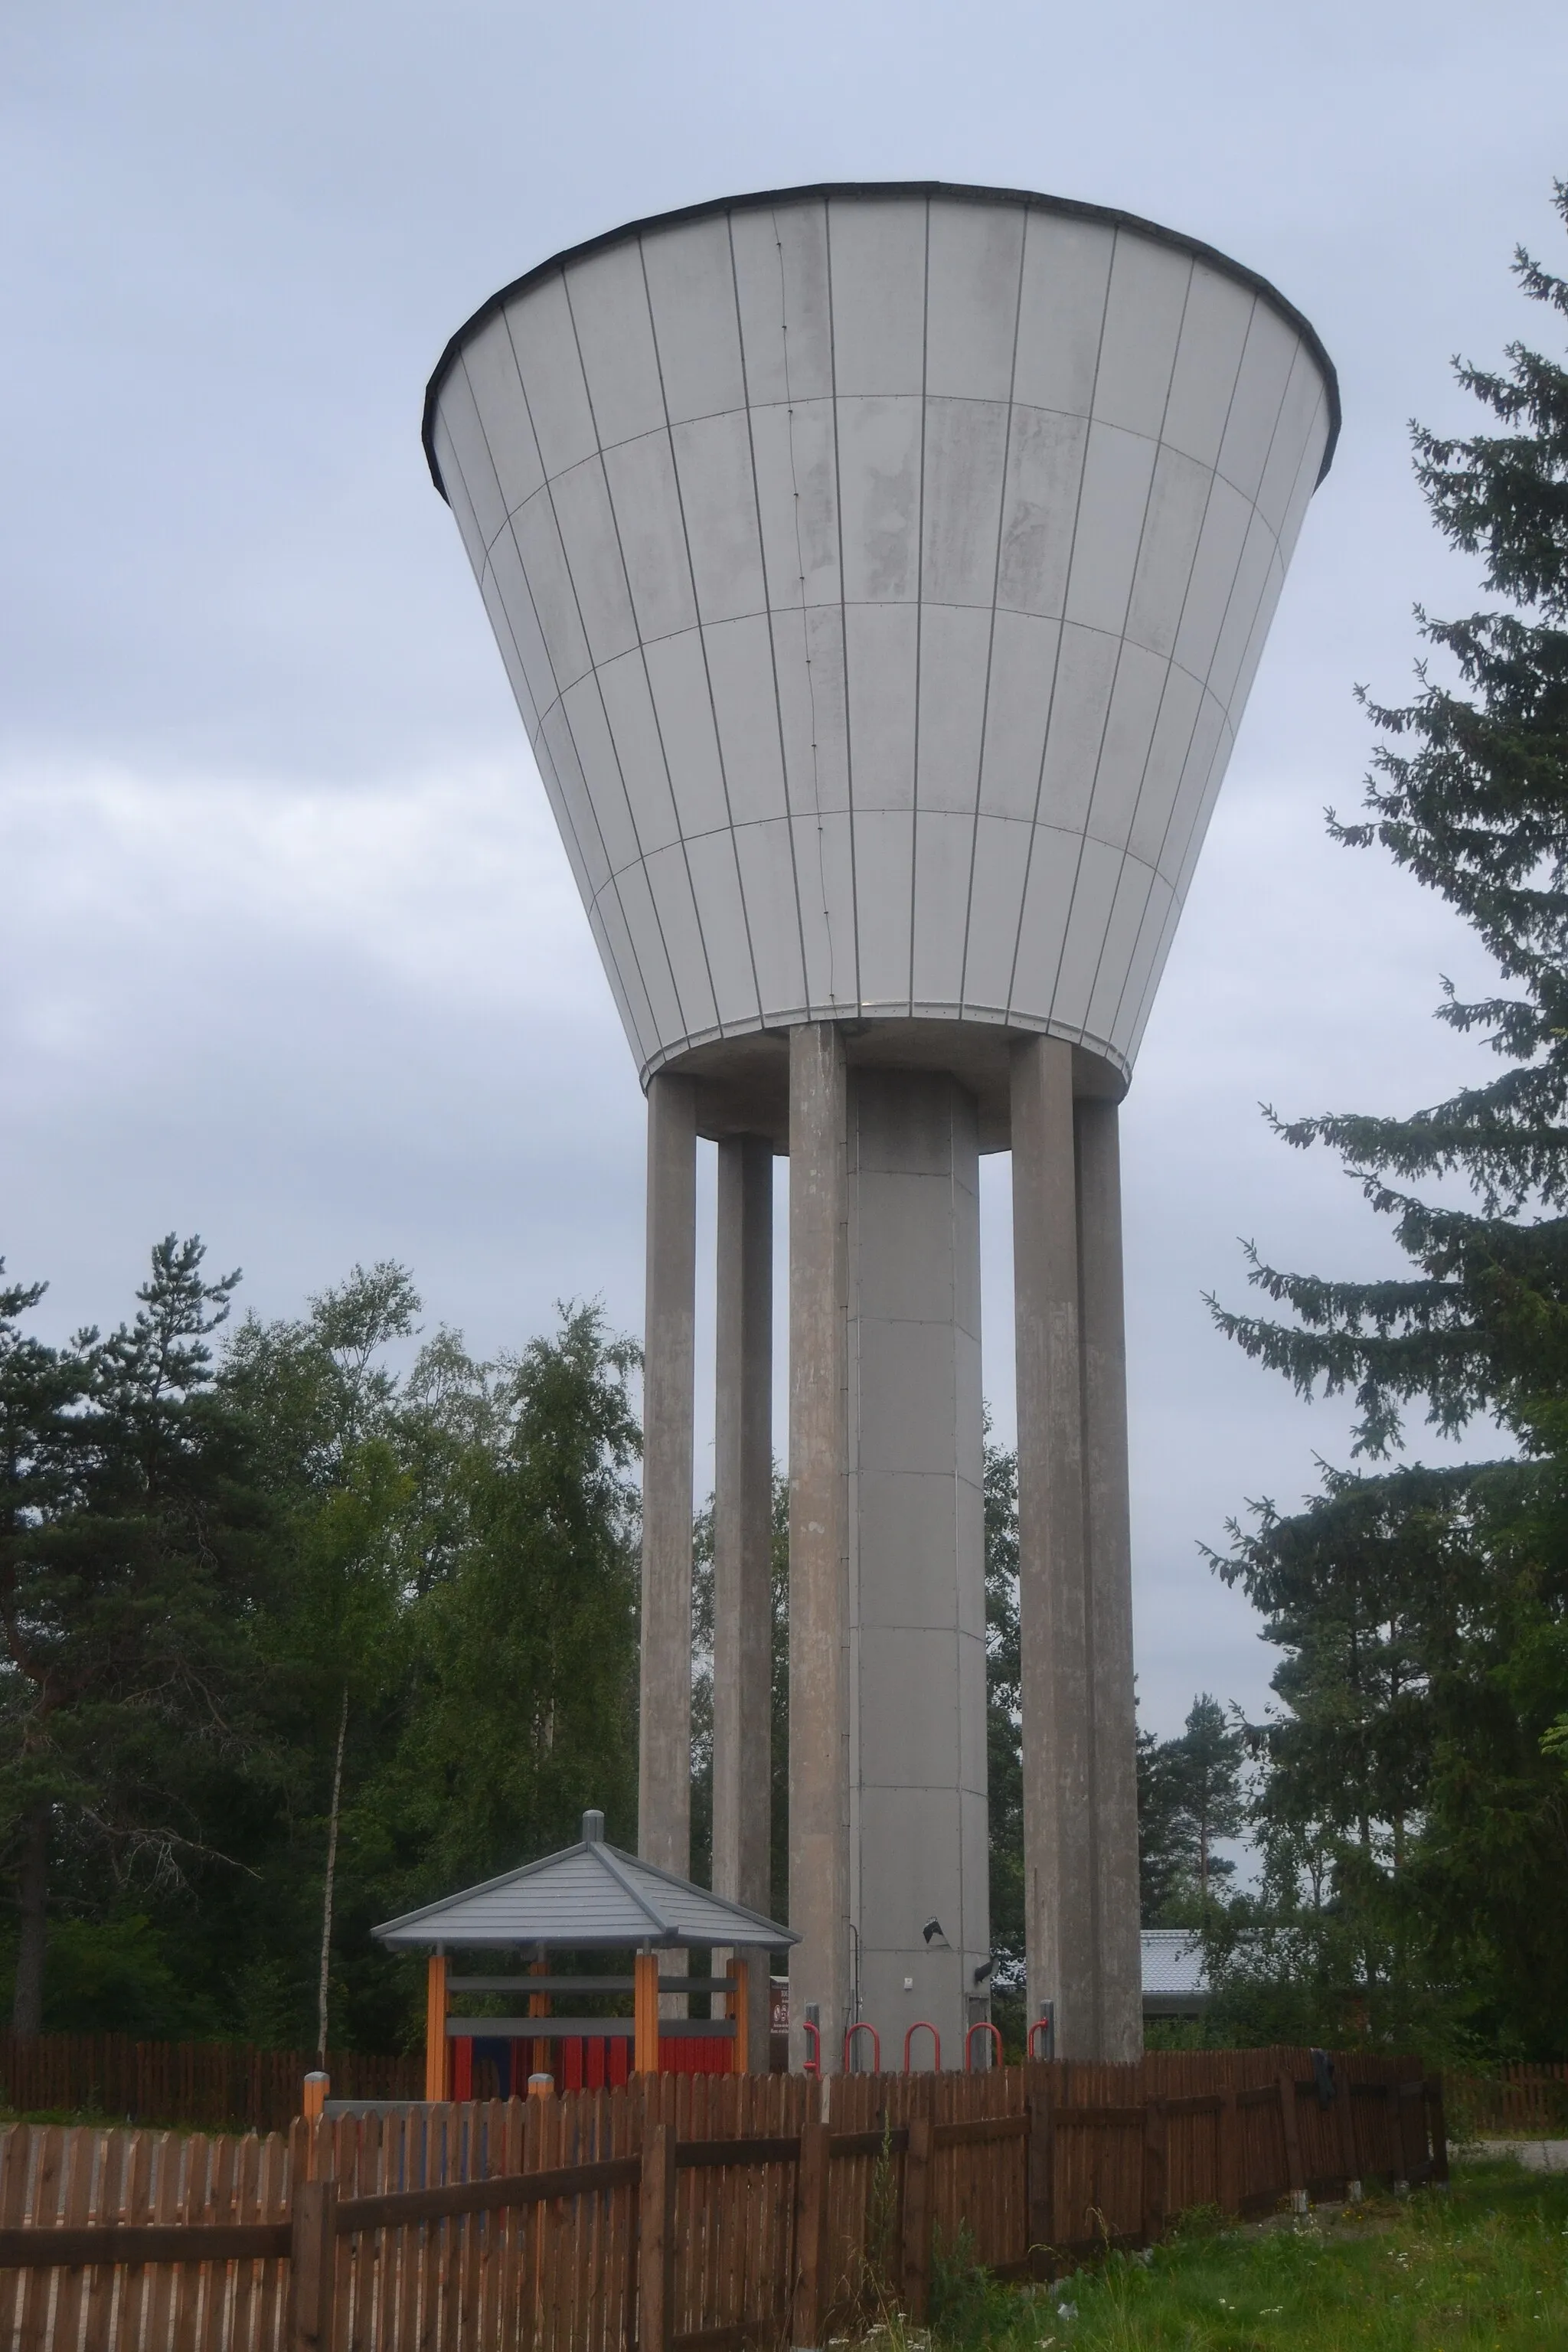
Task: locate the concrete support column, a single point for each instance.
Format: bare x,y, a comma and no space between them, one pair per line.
742,1552
818,1617
664,1729
1112,1720
919,1846
1060,1893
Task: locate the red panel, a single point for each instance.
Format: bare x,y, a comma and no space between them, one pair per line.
463,2066
696,2053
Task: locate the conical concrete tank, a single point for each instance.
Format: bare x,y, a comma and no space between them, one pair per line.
881,573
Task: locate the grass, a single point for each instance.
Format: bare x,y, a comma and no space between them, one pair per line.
1485,2264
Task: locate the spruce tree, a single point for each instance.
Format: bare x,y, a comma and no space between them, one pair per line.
1469,794
1414,1832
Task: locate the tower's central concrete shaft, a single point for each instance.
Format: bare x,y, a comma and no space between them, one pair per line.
881,573
918,1832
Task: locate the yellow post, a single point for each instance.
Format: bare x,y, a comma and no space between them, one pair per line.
644,2013
538,2006
436,2044
316,2089
738,1973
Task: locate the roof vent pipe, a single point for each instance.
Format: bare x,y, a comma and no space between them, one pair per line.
592,1826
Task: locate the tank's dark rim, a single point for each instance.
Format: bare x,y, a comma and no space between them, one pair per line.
842,189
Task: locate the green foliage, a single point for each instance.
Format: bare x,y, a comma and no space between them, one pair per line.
1479,2266
702,1700
1469,794
1004,1742
443,1570
131,1566
527,1644
1413,1815
1412,1827
1191,1793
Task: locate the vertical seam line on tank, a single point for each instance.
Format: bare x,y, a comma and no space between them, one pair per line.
1204,691
804,641
844,636
1252,517
920,602
1241,550
707,677
1228,725
1127,857
990,636
486,542
509,530
631,606
1201,683
1172,916
1083,1026
762,558
510,526
1145,1005
593,671
1061,636
1082,838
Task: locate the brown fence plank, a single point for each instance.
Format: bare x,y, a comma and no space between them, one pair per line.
33,2333
915,2251
311,2303
15,2165
112,2181
811,2236
81,2167
1155,2165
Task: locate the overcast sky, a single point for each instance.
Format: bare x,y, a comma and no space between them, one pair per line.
290,953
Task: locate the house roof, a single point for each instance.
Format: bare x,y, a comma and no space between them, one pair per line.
1174,1964
591,1896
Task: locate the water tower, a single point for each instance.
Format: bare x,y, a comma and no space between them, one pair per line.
880,572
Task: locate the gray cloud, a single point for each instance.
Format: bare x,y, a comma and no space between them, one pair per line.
291,955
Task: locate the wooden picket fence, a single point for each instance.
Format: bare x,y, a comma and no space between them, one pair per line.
208,2085
681,2214
1516,2103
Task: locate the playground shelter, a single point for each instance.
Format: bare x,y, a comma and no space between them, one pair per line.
589,1897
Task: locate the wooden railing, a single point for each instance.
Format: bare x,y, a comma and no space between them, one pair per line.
682,2215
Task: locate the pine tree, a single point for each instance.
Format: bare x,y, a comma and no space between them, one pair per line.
124,1596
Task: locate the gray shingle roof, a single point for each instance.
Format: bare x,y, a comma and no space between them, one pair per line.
1174,1962
591,1896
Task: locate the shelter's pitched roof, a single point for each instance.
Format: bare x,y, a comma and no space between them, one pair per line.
591,1896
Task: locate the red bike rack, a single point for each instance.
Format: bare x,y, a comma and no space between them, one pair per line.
1047,2026
865,2026
924,2025
981,2026
813,2065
